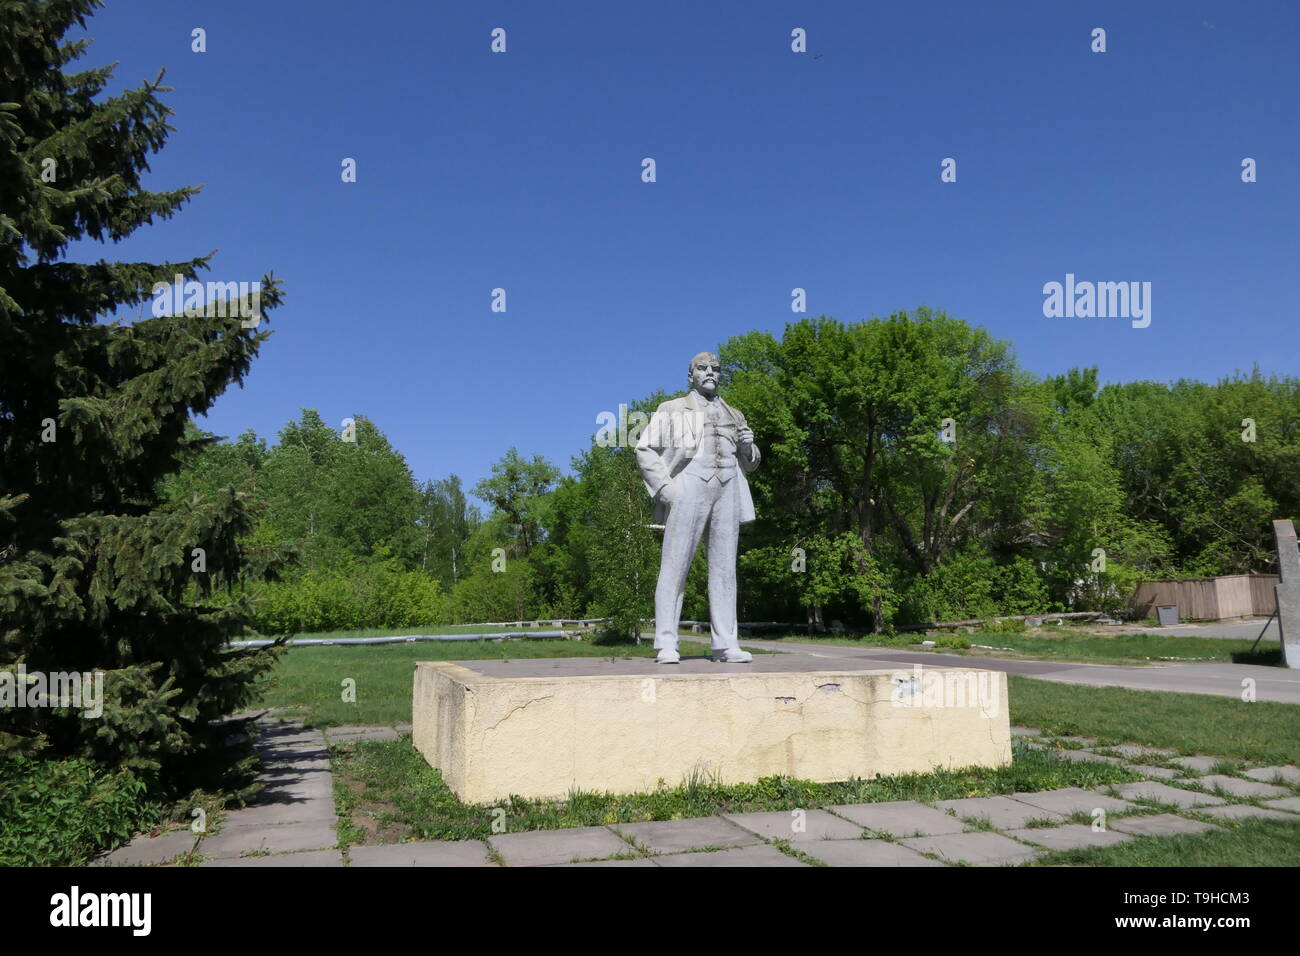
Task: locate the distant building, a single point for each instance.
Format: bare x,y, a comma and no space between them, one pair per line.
1209,599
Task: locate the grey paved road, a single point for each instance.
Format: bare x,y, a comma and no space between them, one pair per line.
1246,629
1225,680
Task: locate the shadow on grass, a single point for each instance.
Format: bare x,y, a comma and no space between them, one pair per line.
608,638
1269,658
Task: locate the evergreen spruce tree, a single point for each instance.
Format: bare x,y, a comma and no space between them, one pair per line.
96,393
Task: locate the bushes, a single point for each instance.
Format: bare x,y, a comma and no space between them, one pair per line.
971,585
381,594
53,811
351,596
958,589
505,595
1020,588
1008,625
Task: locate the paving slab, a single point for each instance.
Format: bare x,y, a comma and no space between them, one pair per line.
275,750
425,853
760,855
283,838
900,818
289,737
347,735
1290,775
272,809
1163,773
779,825
676,836
272,738
1024,732
1085,756
1286,803
354,729
1163,793
1070,800
1240,811
978,849
1084,741
1137,751
146,851
1161,824
1197,764
1003,812
281,765
864,853
314,858
1242,788
297,787
640,861
1069,837
542,847
289,731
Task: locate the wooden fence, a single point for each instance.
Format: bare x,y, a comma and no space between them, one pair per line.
1209,599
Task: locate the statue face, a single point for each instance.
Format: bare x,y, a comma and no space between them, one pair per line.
706,372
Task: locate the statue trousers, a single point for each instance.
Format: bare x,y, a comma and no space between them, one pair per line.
702,507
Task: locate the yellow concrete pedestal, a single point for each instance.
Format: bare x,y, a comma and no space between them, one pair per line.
538,728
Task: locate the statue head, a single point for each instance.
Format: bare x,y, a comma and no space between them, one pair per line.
705,373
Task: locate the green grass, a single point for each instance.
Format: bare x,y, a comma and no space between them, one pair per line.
392,784
1260,732
1239,843
1064,646
386,791
422,629
310,679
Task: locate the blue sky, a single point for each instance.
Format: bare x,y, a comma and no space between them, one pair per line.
775,170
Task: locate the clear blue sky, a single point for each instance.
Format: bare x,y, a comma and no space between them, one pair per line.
775,170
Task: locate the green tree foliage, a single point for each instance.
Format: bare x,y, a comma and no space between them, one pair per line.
517,490
507,572
371,547
334,497
446,521
599,557
350,595
1094,551
507,594
918,470
855,419
827,576
97,571
624,550
1186,464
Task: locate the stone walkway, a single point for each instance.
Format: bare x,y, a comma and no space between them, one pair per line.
293,822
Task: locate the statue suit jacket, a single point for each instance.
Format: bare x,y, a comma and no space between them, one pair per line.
670,441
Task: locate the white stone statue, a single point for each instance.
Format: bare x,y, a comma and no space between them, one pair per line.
694,455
